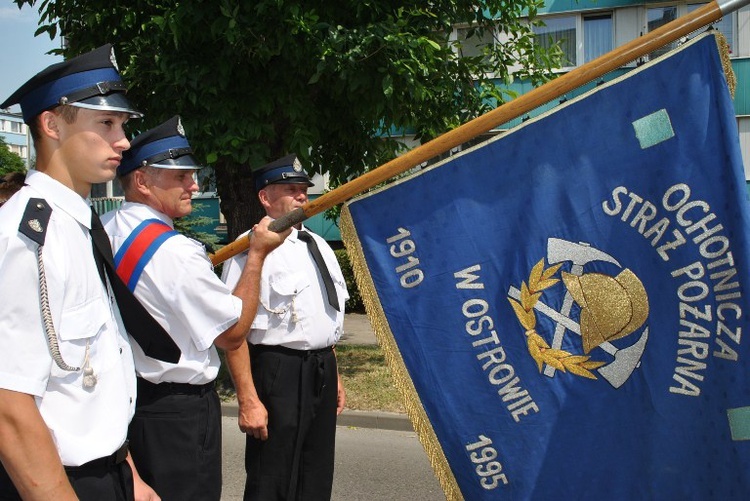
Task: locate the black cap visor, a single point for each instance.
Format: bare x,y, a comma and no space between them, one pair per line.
183,162
115,101
292,178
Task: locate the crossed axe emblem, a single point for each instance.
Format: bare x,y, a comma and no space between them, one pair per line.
625,360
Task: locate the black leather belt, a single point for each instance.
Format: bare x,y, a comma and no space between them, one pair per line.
148,388
114,459
260,348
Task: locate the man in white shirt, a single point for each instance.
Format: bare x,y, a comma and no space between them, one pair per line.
175,435
67,384
288,388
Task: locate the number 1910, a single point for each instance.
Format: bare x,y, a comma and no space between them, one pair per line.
403,247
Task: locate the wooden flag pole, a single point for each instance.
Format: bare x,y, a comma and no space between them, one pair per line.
563,84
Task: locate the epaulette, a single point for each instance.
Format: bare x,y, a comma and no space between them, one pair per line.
35,220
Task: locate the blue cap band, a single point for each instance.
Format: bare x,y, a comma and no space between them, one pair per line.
138,154
48,96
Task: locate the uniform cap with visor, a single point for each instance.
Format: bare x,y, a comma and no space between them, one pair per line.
164,147
91,80
286,170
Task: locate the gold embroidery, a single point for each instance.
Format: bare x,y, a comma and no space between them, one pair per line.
611,307
539,280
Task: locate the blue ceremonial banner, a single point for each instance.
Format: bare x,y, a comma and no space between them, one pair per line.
564,306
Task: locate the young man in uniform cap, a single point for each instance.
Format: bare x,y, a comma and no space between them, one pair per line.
288,387
67,383
175,436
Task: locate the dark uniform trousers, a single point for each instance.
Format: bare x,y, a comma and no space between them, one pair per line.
299,390
104,479
175,440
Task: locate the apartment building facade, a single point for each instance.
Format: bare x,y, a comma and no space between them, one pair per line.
587,29
16,135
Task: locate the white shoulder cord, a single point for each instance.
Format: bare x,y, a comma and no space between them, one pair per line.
89,379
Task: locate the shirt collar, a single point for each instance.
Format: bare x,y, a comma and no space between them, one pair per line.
146,212
294,235
62,197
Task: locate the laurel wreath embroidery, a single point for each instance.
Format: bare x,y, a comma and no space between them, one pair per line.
562,360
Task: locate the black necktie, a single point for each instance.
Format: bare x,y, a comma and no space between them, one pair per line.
139,323
312,246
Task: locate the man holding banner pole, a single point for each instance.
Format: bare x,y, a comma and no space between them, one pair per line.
175,435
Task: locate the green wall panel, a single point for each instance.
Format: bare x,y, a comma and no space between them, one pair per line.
741,69
557,6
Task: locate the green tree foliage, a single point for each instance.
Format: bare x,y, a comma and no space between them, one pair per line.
355,303
327,80
9,161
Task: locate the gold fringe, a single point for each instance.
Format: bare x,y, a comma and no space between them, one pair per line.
402,381
726,62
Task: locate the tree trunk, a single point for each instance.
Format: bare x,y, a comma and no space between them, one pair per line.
239,201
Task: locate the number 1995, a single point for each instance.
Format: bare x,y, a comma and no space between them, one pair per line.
483,455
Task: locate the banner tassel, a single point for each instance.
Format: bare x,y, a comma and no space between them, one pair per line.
403,383
726,62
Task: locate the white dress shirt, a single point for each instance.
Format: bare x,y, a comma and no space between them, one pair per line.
181,291
86,422
294,310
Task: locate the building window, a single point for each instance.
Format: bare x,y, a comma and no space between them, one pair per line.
19,150
725,25
561,31
98,190
659,16
12,126
597,36
471,43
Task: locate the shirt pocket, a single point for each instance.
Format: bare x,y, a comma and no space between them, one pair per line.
283,292
78,327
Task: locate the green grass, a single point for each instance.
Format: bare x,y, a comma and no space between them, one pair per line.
367,379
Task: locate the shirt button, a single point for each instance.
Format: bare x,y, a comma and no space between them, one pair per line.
131,400
120,351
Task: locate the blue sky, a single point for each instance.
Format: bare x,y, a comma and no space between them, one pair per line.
22,55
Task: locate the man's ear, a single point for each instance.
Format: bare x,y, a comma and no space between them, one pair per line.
263,197
141,182
49,126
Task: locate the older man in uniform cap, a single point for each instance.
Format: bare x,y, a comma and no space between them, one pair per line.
288,386
175,436
67,383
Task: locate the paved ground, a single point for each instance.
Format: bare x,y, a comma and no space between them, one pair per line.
357,330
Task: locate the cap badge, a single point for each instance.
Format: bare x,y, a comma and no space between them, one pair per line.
180,128
297,165
112,59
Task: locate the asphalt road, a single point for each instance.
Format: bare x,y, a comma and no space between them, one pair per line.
371,465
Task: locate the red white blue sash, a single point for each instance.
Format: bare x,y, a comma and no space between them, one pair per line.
138,249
